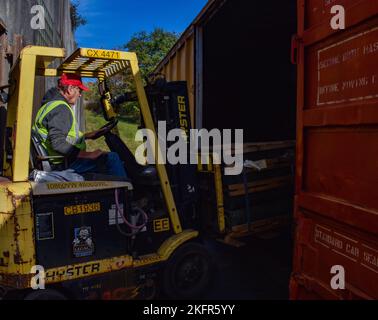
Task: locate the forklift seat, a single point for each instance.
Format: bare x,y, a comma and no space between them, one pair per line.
39,156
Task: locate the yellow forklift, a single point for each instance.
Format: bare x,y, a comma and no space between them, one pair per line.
140,236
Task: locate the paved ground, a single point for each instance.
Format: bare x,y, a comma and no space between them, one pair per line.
258,271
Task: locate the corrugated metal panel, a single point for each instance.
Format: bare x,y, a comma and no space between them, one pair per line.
181,68
183,60
337,166
16,16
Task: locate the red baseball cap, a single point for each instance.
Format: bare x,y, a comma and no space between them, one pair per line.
73,80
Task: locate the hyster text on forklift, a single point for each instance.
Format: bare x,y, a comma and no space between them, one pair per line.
143,233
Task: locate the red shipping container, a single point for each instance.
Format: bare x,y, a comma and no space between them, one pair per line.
337,155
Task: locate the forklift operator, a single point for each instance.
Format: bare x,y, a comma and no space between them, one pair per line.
58,130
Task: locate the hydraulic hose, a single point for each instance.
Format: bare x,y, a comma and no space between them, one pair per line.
140,213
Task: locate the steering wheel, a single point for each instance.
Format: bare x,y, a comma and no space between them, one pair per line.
105,129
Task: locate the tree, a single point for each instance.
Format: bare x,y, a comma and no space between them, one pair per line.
92,98
151,47
77,19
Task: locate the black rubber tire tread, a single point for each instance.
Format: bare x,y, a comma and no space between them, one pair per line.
170,288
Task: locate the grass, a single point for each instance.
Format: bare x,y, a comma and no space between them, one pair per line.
127,130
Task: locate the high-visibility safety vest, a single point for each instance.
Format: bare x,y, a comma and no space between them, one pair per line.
75,137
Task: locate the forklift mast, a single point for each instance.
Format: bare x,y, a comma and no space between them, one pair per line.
169,103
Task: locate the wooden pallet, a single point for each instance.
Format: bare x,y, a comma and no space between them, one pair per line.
258,227
236,190
270,164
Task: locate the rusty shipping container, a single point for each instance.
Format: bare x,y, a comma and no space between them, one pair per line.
231,64
235,57
337,155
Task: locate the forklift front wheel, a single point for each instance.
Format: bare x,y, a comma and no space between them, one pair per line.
187,273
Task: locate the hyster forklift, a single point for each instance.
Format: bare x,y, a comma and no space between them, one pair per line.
104,237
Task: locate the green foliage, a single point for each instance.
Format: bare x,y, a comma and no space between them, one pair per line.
77,19
92,94
92,98
151,47
127,131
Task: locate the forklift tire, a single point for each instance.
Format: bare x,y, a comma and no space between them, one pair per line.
187,273
47,294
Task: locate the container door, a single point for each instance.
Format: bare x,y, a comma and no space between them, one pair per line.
336,246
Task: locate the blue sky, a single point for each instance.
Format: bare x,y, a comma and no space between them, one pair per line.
111,23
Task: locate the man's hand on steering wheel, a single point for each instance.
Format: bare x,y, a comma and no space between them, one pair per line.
94,135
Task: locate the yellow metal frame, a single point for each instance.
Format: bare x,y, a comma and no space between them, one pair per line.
104,64
20,106
219,195
17,250
85,62
162,172
216,170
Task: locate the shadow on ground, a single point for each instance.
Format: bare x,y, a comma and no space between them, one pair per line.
260,270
